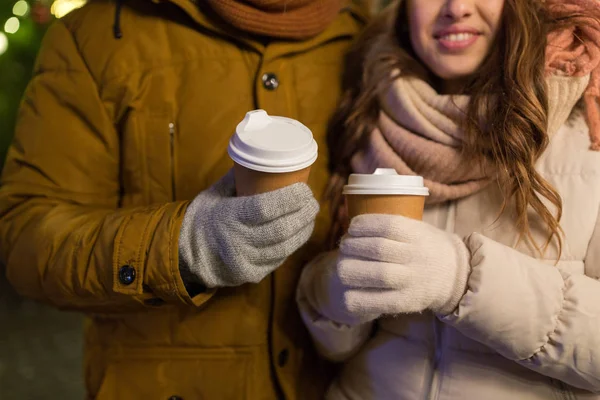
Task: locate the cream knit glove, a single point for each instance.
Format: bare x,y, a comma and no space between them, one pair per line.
321,289
394,265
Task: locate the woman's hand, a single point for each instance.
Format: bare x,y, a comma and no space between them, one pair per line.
394,265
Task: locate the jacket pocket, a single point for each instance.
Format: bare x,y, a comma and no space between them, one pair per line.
148,156
190,374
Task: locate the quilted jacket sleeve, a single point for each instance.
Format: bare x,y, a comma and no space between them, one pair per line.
533,313
63,238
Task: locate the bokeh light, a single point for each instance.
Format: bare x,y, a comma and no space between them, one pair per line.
3,43
12,25
21,8
60,8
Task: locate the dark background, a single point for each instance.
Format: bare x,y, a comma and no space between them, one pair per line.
40,348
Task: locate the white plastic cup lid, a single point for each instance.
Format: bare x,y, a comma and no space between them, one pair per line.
272,144
385,181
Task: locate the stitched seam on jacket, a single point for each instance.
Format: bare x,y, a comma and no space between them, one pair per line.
556,319
119,244
87,70
173,271
42,71
141,258
117,257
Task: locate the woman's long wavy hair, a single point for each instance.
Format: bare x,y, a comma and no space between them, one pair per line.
509,92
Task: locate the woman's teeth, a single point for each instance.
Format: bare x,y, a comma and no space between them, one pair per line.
458,37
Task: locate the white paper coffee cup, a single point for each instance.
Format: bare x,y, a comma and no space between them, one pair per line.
385,192
270,152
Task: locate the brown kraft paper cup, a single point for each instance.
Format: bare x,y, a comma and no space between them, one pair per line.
397,204
249,182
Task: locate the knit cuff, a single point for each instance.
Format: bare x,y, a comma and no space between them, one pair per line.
461,278
563,94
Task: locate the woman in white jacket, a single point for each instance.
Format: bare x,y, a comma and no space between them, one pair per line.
495,295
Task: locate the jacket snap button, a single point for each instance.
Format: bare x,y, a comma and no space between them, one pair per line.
270,81
127,275
283,357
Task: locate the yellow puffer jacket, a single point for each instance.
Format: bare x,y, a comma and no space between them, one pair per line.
114,138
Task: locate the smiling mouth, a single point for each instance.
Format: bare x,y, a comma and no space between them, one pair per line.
457,37
457,42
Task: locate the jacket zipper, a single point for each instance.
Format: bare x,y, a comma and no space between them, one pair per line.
273,369
172,163
434,378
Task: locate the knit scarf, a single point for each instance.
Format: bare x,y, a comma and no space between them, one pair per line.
284,19
575,52
419,134
419,131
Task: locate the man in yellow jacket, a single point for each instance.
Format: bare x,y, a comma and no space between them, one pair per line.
125,122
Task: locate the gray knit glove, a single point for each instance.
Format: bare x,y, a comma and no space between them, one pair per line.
228,241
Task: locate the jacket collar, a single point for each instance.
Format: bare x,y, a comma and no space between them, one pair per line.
351,17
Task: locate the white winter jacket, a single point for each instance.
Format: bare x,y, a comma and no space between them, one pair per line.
525,330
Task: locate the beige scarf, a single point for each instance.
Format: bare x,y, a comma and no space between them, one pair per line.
285,19
419,134
418,131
